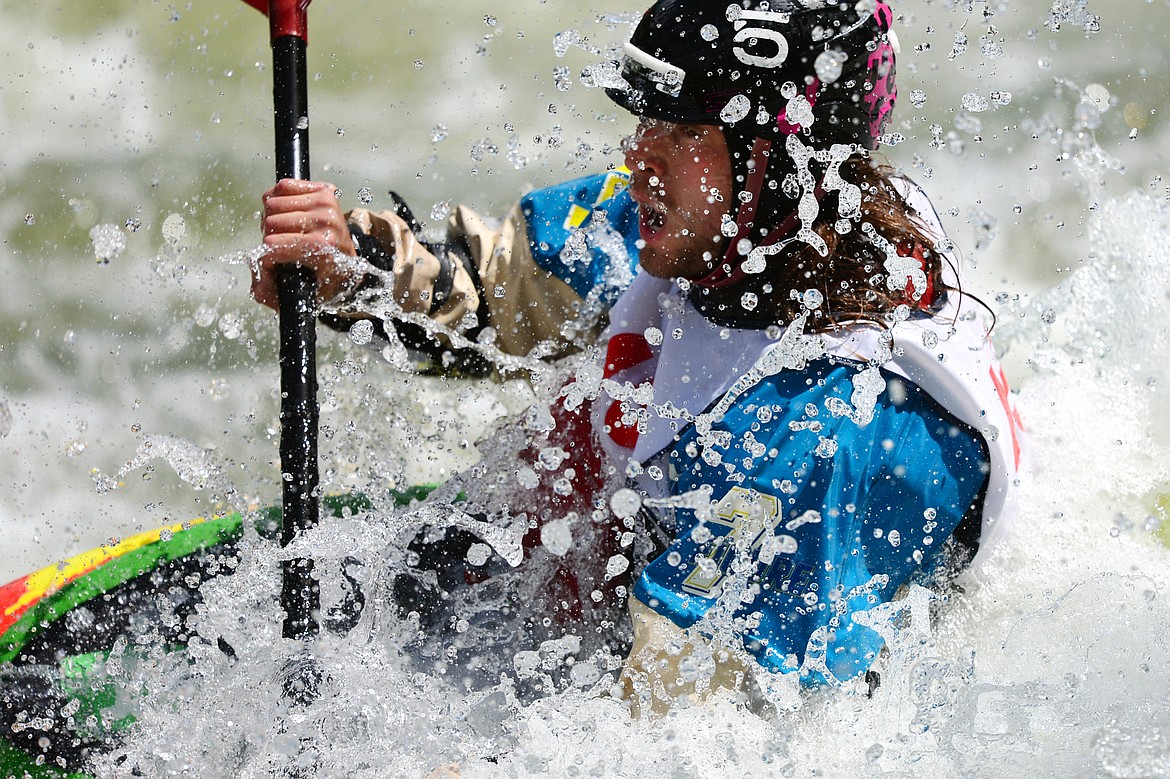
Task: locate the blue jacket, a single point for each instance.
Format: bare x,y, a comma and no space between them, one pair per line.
812,514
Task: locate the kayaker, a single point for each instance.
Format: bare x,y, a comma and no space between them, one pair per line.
795,399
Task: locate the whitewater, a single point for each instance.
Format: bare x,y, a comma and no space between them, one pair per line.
1039,131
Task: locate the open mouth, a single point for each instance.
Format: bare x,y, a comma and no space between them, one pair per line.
653,218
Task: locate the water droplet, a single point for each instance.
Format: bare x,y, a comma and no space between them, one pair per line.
616,566
341,131
728,227
974,102
483,148
736,109
205,316
418,64
30,219
174,229
552,457
749,301
625,503
993,50
104,484
365,196
960,45
917,98
1100,96
562,78
929,339
755,263
829,64
826,448
557,536
231,326
653,336
1048,317
5,420
478,554
1001,97
489,20
108,242
441,210
303,123
812,299
562,41
709,32
362,332
439,133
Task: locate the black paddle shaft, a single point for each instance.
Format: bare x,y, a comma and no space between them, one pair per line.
296,294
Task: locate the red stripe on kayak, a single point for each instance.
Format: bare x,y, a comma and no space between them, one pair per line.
19,596
10,595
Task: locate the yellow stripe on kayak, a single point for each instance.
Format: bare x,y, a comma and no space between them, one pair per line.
52,578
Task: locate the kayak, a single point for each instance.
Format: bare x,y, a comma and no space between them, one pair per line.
60,626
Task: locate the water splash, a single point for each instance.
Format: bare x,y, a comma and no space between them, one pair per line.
108,242
973,684
987,691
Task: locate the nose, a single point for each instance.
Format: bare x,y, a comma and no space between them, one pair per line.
641,147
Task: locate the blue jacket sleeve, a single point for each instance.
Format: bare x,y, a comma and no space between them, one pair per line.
585,233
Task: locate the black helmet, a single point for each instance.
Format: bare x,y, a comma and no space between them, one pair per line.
747,64
764,70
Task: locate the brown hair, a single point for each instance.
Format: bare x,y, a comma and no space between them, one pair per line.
851,276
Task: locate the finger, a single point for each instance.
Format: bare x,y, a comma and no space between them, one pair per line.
286,247
303,221
314,214
330,277
302,187
322,202
292,195
264,288
294,222
265,270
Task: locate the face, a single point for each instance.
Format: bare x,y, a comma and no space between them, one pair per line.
681,180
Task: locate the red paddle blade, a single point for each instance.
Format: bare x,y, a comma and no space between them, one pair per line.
286,17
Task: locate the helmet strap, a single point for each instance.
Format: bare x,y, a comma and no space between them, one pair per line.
729,271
